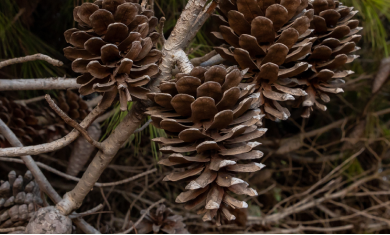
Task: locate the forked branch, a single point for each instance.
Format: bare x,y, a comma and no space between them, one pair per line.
72,123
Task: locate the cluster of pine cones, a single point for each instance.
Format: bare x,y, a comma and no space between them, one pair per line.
294,49
20,197
274,51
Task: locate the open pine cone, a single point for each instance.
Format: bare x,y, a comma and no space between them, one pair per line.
19,199
292,48
210,118
161,220
114,49
20,119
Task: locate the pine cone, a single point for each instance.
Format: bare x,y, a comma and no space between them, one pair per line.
292,48
209,116
73,105
20,119
161,220
114,49
19,198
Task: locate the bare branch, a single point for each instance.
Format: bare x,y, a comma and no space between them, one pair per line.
180,38
126,180
29,101
143,216
88,212
55,145
38,84
73,123
31,58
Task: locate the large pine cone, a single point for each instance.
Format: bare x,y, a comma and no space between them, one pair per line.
114,49
210,118
292,48
21,120
161,220
19,199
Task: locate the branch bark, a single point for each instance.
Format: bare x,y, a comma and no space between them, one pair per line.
38,84
192,18
31,58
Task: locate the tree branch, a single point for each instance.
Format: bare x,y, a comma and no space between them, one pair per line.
72,123
38,84
31,58
185,30
55,145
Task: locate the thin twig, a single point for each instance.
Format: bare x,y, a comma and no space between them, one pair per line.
9,230
29,101
31,58
73,178
73,123
301,229
88,212
126,180
143,216
143,127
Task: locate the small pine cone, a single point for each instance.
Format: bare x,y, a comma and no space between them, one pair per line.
114,49
73,105
20,119
161,220
19,199
210,118
284,50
